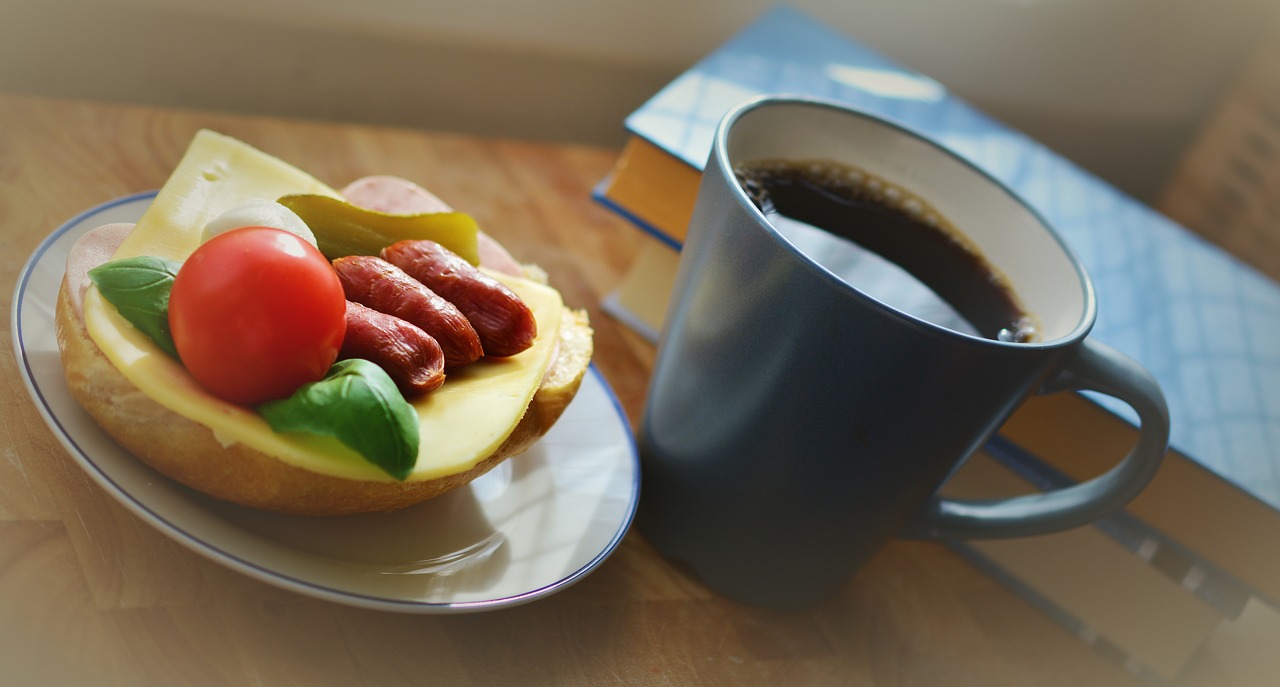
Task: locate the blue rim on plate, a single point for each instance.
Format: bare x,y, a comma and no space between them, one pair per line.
580,483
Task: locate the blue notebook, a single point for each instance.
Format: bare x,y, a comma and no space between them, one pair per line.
1206,325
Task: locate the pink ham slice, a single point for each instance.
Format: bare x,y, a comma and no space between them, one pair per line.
89,251
392,195
397,196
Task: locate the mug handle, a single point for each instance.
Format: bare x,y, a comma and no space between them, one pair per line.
1094,367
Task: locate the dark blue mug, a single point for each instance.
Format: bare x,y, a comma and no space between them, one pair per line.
795,423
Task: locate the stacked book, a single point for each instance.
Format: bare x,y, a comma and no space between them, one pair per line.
1190,571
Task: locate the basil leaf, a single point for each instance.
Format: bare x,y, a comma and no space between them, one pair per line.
359,405
139,288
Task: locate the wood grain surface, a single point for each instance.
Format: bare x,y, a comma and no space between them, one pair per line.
91,595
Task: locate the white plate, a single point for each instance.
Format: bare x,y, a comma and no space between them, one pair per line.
531,527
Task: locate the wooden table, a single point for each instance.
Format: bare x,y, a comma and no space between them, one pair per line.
89,594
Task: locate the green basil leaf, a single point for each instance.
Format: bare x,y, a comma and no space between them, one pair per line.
359,405
139,288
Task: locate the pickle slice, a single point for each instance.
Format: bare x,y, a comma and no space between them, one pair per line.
344,229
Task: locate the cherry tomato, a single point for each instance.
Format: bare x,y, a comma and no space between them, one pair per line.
255,313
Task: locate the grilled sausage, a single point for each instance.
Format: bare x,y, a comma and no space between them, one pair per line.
410,356
505,324
376,283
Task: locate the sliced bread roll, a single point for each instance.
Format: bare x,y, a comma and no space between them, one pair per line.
190,453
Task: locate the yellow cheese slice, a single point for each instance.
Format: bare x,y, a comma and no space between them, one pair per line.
216,174
461,423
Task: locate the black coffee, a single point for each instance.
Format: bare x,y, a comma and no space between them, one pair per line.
888,243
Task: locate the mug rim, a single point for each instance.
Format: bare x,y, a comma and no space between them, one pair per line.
719,151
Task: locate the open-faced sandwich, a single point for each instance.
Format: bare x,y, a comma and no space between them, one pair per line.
267,340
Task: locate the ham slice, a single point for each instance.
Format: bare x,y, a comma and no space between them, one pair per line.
89,251
397,196
392,195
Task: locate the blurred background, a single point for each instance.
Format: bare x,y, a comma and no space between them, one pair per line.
1119,86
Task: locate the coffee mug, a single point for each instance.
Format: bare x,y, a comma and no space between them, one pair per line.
795,422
